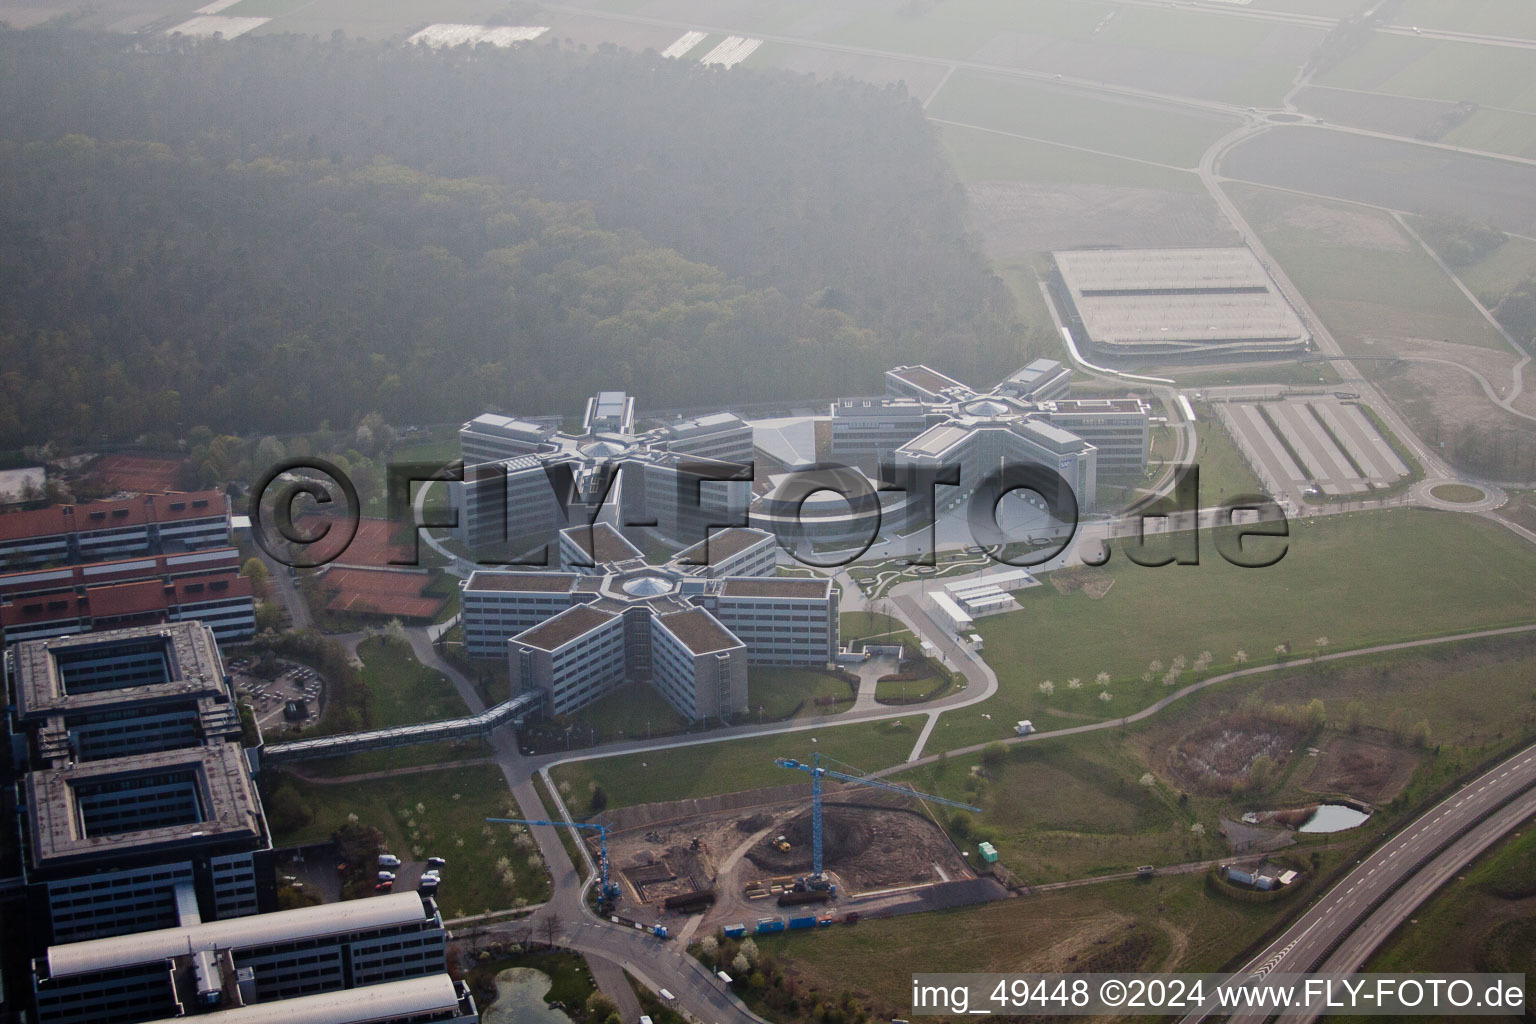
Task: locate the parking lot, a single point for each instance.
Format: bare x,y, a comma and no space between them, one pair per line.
270,697
1314,442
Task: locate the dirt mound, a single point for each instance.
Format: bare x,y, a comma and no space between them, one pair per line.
761,819
1093,582
845,834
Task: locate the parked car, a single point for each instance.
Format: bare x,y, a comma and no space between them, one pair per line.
384,887
386,876
436,862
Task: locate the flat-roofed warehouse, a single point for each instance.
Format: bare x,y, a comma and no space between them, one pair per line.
1172,304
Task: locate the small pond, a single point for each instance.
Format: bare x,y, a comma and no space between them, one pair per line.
520,999
1334,818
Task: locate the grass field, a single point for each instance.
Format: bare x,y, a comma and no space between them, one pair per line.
1145,131
437,814
1223,471
989,156
405,691
1365,277
1501,271
726,767
1354,579
1521,508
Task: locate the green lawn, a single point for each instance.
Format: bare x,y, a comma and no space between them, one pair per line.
405,691
437,813
1140,130
727,767
628,711
854,626
1355,579
1461,493
1224,472
775,693
570,977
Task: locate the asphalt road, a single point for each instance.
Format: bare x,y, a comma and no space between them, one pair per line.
1343,928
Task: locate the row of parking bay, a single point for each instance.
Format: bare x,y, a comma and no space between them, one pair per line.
1335,447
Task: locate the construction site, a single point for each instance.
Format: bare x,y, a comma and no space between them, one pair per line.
750,859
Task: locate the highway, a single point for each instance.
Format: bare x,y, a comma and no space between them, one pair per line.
1341,930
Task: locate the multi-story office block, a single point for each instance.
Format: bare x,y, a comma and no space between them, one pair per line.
1118,427
269,968
730,552
575,635
102,531
722,436
134,782
782,620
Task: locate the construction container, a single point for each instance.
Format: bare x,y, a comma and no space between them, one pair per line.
769,924
808,921
734,931
792,898
988,852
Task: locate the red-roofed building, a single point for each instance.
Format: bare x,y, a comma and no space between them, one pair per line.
221,600
145,525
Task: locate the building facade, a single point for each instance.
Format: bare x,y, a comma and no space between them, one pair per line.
275,960
688,628
134,781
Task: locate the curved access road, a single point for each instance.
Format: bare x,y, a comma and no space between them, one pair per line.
1345,926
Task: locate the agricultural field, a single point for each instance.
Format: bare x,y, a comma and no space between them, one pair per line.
994,155
1424,181
1143,130
1487,17
439,813
1480,574
1400,65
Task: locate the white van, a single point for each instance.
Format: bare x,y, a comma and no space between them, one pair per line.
668,996
723,977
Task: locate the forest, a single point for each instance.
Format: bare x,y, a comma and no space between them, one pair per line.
265,234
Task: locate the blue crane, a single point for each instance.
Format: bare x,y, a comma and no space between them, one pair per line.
609,892
817,772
